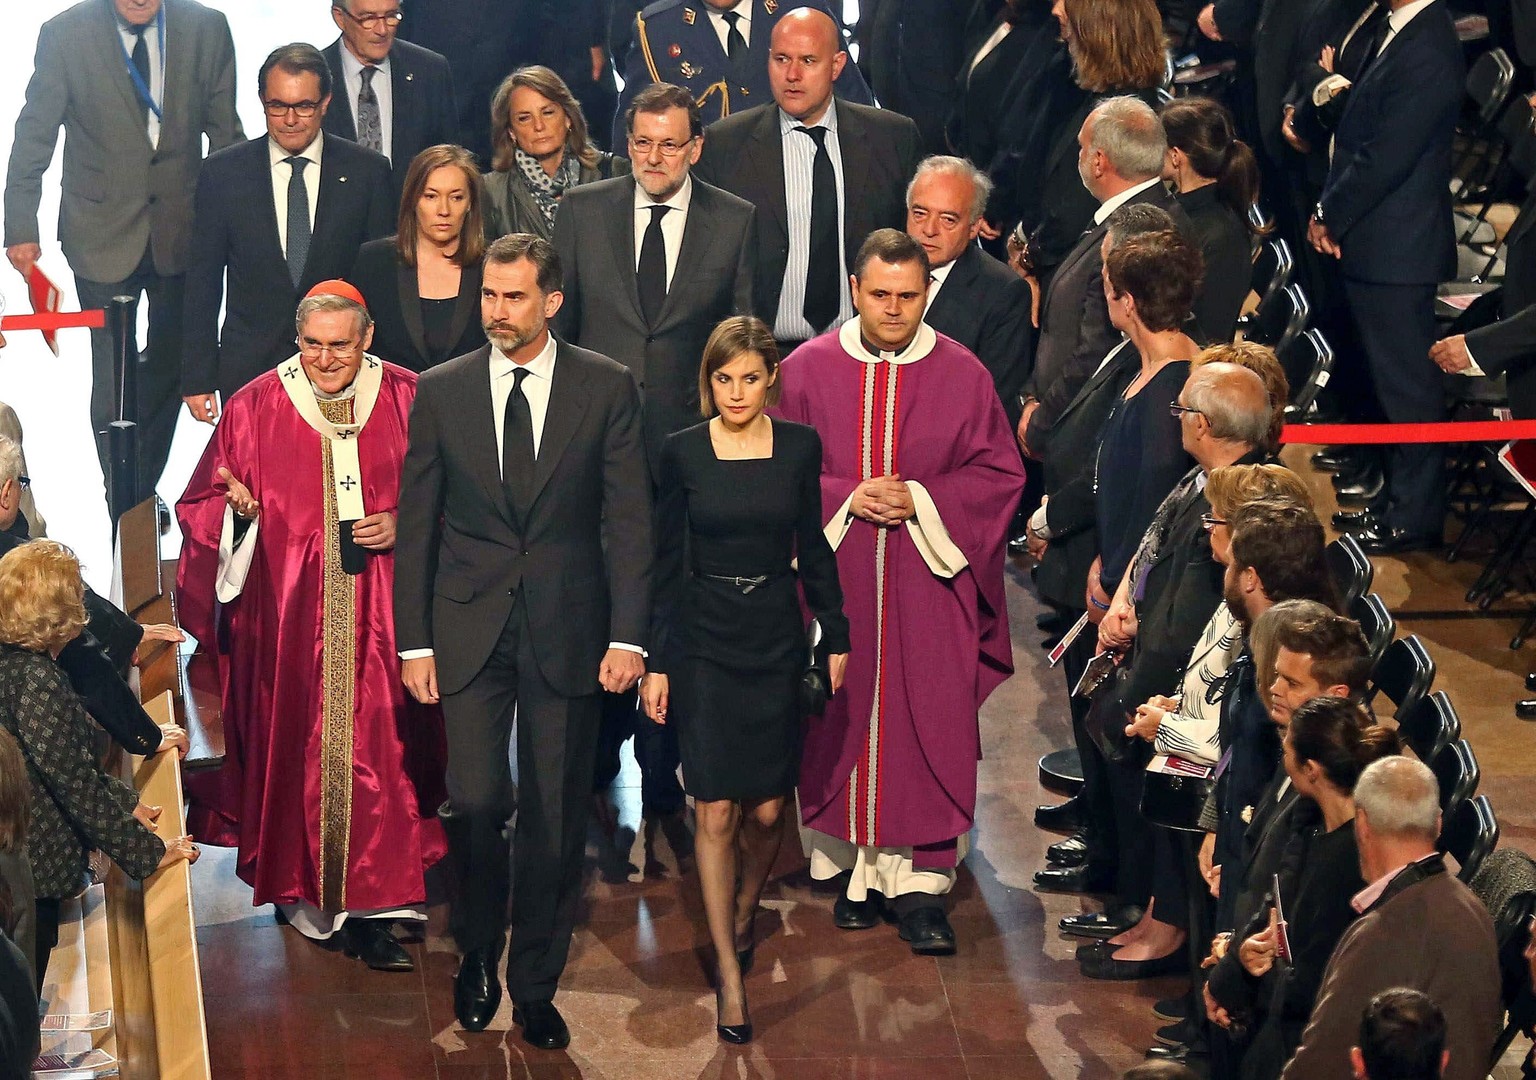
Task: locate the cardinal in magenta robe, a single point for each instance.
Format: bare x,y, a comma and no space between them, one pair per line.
332,775
920,478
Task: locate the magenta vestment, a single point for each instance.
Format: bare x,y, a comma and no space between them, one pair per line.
892,763
302,789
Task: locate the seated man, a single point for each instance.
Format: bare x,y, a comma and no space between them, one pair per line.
331,777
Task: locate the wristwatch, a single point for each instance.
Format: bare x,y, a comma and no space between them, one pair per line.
1317,213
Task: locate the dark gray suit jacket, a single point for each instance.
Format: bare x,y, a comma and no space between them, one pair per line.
120,193
582,558
744,154
595,235
985,306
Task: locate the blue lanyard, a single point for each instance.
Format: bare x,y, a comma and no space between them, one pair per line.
145,94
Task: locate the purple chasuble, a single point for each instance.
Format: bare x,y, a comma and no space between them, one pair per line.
893,761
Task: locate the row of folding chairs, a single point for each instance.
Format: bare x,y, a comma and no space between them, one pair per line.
1280,320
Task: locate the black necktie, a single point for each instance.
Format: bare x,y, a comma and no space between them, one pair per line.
517,444
735,44
141,61
298,219
822,277
653,267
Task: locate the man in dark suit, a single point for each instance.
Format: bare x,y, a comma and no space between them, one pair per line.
524,540
717,50
278,214
652,263
912,52
392,97
807,161
136,86
1507,344
1385,214
1121,147
972,297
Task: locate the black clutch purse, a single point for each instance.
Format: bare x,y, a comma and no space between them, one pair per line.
816,682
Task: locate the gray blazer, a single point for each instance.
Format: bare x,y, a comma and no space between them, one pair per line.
510,206
120,193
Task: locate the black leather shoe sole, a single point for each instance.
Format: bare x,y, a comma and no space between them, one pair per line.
1171,1009
1101,925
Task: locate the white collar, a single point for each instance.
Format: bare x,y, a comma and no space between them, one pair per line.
1405,15
939,273
852,342
828,120
540,367
351,66
311,152
679,200
1115,202
744,9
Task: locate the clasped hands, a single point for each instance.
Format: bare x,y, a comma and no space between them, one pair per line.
1149,717
883,500
376,532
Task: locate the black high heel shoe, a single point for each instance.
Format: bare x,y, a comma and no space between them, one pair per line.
739,1034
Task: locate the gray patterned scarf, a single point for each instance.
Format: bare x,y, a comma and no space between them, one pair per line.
547,189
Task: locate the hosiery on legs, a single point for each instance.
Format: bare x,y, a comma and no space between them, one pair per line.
714,847
762,830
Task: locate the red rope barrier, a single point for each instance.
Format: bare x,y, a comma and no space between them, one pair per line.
50,321
1461,431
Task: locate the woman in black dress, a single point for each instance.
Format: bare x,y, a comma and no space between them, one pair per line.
738,506
422,285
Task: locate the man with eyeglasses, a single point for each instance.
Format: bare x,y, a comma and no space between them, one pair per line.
274,215
133,140
398,97
332,775
652,262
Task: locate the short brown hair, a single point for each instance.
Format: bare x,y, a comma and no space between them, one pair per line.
731,338
537,250
1340,654
42,599
1232,486
890,246
15,794
658,98
544,82
1116,44
1162,271
423,165
1261,360
1282,542
297,58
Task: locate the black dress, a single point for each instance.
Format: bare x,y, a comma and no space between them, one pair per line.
730,633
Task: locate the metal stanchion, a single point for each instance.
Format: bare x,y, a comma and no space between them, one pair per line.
123,433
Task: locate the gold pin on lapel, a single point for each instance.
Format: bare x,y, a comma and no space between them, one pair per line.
689,15
410,76
688,70
770,6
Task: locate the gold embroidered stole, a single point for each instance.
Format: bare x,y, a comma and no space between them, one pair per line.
338,676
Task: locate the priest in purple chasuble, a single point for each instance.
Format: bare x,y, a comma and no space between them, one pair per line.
920,477
332,776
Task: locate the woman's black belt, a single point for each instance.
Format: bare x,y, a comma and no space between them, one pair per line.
742,581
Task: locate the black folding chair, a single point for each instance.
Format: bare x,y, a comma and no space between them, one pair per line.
1506,884
1308,364
1469,834
1404,674
1431,727
1282,319
1488,82
1273,268
1351,571
1456,769
1376,623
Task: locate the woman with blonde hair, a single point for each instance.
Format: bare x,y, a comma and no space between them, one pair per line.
1261,360
75,806
540,149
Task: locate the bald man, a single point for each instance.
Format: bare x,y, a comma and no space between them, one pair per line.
823,173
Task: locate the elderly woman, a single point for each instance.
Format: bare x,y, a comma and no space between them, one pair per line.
76,807
541,151
423,284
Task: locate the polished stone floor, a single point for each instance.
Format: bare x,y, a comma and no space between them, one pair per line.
827,1004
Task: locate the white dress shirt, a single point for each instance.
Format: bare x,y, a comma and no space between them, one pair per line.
723,28
1115,202
672,223
789,322
1002,30
1400,18
352,74
937,277
152,35
282,171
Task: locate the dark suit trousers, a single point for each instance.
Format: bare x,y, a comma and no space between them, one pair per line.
556,743
656,753
158,372
1094,796
1396,324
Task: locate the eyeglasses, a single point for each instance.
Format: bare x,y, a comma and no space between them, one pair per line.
302,109
1177,411
373,22
643,146
313,349
1210,521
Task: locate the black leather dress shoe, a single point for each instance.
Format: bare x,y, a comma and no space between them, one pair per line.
542,1025
1073,879
476,990
1093,951
1109,968
1365,490
370,941
1062,817
1171,1009
855,914
1526,709
1073,851
928,932
1105,924
1390,540
1363,518
1335,458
